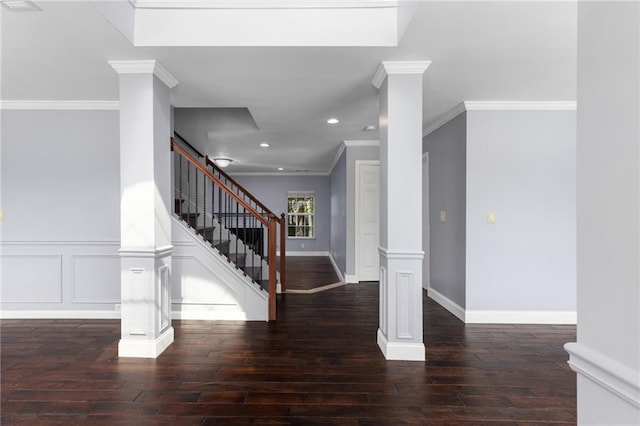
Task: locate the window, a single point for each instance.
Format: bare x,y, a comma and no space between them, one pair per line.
301,207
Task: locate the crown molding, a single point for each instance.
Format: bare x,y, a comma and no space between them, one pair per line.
362,143
398,67
341,149
278,174
145,67
444,119
497,106
520,105
262,4
60,105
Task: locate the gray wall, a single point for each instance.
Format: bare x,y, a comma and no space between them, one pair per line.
447,192
272,191
338,180
608,184
60,178
521,165
48,159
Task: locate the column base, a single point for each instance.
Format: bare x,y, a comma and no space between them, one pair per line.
134,348
401,351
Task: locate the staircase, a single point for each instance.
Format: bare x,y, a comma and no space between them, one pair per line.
233,223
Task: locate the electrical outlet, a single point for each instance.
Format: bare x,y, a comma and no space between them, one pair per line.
117,307
1,214
491,217
301,245
443,216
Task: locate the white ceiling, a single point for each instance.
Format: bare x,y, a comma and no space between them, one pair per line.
500,51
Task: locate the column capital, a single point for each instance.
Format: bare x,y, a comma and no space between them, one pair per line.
398,67
145,67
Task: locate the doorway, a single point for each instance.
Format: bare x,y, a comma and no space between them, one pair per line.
367,214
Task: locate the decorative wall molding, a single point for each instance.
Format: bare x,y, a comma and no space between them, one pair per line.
263,4
400,254
520,317
398,67
278,174
145,67
443,119
157,252
447,303
497,106
74,277
60,105
520,105
621,380
60,243
61,314
361,143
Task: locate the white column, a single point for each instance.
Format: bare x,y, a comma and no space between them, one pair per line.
606,356
145,202
400,98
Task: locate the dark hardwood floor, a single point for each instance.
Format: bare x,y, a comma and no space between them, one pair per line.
309,272
318,364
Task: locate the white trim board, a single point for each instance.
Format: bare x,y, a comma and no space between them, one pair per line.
304,253
520,317
605,372
497,106
447,303
335,267
60,105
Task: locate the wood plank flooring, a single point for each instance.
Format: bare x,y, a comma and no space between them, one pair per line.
318,364
309,272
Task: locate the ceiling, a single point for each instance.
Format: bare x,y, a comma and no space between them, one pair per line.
480,51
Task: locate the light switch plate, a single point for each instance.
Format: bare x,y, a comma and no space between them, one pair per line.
491,217
443,216
1,214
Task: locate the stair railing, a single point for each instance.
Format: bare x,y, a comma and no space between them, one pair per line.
216,210
251,200
258,206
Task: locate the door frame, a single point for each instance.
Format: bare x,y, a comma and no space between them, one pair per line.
360,163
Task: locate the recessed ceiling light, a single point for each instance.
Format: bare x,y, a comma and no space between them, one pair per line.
20,6
264,145
333,121
280,168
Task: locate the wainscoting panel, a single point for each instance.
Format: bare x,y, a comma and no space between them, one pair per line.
96,278
31,278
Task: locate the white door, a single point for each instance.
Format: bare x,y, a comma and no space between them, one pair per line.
425,221
368,220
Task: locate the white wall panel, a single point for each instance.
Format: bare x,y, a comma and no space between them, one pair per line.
96,278
31,278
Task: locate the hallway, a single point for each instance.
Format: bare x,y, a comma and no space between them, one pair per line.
318,364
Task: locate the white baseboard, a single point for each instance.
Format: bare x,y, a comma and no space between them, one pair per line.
138,348
209,315
400,351
305,253
62,314
335,267
447,303
351,279
616,379
520,317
